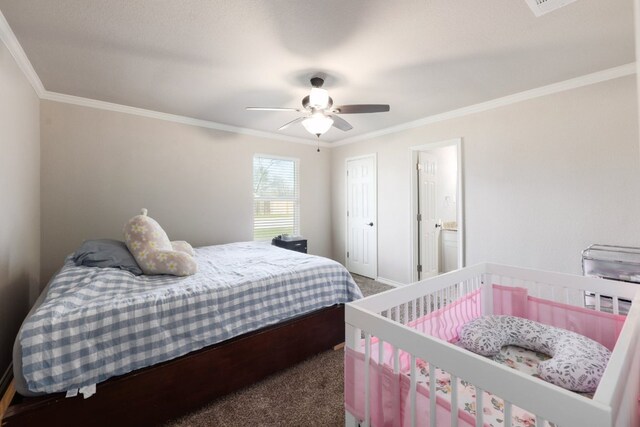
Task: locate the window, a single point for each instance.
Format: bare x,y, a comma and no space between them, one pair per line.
276,196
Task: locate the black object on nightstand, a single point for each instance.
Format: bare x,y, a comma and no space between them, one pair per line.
294,245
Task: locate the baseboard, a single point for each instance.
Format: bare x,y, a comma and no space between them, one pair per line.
7,376
390,282
7,390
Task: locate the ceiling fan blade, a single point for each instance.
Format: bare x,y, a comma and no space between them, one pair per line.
361,108
340,123
286,125
272,109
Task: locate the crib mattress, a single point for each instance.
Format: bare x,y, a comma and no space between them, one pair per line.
521,359
97,323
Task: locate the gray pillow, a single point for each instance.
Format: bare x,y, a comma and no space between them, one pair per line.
105,253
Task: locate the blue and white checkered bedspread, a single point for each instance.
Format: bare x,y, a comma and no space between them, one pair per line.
98,323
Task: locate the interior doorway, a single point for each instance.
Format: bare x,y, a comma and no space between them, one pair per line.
437,225
362,223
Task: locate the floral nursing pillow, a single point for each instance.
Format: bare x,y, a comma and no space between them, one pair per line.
154,252
577,363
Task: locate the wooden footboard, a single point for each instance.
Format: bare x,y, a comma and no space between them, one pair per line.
168,390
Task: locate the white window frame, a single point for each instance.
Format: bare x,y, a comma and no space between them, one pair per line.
295,198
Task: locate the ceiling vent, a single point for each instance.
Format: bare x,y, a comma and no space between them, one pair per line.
540,7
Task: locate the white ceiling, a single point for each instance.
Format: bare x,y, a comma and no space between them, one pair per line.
210,59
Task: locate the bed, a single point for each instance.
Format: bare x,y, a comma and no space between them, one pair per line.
251,306
411,352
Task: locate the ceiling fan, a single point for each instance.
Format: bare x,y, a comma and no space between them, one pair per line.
320,114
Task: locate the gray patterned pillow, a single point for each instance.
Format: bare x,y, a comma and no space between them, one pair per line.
577,362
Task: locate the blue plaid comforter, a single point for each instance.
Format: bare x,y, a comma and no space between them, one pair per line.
98,323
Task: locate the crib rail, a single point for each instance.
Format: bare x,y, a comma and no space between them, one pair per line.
560,287
443,285
565,288
387,317
620,384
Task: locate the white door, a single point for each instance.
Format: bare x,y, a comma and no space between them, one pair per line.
428,222
362,244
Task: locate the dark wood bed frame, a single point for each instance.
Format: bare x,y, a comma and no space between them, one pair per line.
168,390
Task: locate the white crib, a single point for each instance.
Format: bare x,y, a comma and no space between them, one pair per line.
389,319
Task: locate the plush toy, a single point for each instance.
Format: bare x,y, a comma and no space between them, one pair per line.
154,252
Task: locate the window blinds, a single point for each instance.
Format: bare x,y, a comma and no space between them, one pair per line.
276,197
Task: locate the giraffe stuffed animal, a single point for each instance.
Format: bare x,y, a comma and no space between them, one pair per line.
154,252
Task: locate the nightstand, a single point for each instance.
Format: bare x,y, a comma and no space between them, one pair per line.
294,245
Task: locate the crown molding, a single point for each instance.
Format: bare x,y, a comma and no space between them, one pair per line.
109,106
14,47
10,40
586,80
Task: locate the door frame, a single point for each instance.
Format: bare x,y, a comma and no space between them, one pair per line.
413,211
346,205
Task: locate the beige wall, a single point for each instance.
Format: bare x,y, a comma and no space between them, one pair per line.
543,179
99,168
19,201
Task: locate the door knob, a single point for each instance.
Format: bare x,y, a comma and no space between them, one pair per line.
438,225
370,224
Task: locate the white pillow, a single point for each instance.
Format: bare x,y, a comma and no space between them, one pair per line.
577,362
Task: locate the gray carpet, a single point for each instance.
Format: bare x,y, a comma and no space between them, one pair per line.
308,394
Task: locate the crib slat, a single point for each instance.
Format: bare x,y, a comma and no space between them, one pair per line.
479,407
413,391
507,414
380,352
405,320
454,401
396,360
367,391
432,396
538,289
616,305
598,302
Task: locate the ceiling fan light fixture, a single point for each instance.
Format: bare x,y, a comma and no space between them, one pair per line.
317,124
318,98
